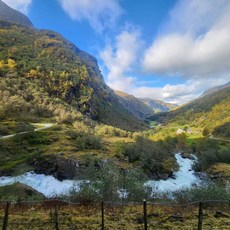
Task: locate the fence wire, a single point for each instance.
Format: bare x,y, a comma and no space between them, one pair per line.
66,215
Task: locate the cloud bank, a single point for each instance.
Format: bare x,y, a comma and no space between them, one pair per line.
99,13
119,57
197,42
193,44
20,5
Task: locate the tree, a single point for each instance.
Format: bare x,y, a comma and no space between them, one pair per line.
205,132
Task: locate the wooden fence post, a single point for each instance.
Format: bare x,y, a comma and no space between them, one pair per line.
200,216
56,217
6,216
145,215
102,216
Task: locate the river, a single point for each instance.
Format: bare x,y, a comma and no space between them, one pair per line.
51,187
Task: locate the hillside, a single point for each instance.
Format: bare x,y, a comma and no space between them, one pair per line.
41,69
217,88
134,105
10,15
142,107
210,111
157,105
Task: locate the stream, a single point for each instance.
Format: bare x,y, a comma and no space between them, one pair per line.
50,186
184,178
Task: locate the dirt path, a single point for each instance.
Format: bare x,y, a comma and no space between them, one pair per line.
219,139
44,126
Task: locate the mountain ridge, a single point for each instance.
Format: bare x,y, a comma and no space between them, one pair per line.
214,89
157,105
13,16
44,61
134,105
211,110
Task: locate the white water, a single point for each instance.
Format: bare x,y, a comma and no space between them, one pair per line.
184,178
50,187
47,185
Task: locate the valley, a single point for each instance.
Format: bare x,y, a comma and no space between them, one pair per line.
61,125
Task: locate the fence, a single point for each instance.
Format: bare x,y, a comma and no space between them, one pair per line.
59,215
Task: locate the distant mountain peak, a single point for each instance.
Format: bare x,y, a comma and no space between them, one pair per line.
13,16
157,105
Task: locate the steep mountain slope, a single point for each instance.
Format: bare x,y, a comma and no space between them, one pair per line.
40,70
10,15
209,111
157,105
134,105
212,90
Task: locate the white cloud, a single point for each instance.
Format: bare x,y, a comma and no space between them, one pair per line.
99,13
122,56
119,59
195,43
179,93
20,5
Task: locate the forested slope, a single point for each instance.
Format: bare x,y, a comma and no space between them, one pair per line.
40,70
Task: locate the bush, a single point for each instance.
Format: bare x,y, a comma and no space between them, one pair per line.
84,141
202,193
133,184
87,194
149,154
109,183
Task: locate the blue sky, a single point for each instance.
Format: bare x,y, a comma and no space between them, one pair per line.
170,50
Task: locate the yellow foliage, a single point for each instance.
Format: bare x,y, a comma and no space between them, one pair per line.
33,73
11,64
2,64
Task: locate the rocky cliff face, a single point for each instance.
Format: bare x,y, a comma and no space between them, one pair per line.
10,15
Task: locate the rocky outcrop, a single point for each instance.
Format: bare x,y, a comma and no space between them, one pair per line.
60,168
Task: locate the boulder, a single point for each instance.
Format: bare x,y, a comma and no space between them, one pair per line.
60,168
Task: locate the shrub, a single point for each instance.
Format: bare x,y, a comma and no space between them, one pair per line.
203,192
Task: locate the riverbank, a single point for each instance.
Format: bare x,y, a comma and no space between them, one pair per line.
52,187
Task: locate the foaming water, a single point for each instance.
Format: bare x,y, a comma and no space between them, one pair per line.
184,178
51,187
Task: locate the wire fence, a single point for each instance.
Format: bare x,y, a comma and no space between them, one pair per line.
59,215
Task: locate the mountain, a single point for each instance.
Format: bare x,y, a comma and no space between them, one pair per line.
43,75
212,90
134,105
157,105
211,110
10,15
142,107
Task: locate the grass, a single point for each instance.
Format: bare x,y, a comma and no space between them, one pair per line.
42,216
221,168
18,191
16,152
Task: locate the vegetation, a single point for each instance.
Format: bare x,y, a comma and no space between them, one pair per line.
78,216
97,137
46,76
134,105
7,128
209,111
207,191
19,192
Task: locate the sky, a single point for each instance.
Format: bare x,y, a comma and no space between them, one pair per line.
171,50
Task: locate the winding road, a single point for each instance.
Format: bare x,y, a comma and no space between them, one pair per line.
44,126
